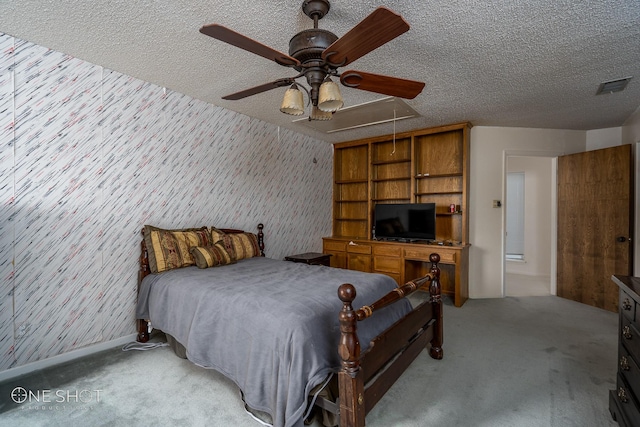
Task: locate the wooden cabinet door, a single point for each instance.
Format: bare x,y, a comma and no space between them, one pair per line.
337,250
359,256
359,262
595,208
338,259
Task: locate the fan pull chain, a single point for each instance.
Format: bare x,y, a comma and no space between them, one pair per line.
394,133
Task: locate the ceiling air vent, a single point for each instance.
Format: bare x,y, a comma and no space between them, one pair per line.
613,86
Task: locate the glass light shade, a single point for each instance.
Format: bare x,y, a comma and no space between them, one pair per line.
329,98
293,102
318,114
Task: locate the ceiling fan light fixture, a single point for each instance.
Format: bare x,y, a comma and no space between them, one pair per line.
293,101
317,54
318,114
329,98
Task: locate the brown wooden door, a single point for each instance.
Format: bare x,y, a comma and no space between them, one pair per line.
595,208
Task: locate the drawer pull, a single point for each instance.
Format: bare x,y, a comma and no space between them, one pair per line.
622,395
624,363
626,332
626,304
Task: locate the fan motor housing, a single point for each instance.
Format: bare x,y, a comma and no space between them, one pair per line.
308,45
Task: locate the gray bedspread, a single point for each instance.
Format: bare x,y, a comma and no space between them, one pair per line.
270,326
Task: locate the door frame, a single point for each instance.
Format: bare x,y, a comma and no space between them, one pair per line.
553,286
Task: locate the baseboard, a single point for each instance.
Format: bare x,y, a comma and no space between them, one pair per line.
66,357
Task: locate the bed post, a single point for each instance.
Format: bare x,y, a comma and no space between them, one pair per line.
143,330
143,327
261,238
350,377
436,301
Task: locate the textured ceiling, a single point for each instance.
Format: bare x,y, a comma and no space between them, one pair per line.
491,62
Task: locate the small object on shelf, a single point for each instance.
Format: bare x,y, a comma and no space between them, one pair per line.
311,258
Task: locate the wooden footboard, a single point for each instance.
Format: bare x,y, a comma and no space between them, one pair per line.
365,378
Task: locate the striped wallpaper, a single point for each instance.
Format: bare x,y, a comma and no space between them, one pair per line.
89,155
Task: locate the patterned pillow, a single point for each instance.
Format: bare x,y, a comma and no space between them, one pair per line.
212,256
169,249
245,245
218,235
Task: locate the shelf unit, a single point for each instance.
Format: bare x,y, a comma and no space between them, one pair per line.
351,204
427,165
441,169
391,171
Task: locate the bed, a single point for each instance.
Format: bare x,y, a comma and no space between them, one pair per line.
282,330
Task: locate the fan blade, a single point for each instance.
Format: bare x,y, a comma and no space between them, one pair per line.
385,85
380,27
243,42
258,89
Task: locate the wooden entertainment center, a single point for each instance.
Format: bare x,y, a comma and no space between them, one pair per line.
421,166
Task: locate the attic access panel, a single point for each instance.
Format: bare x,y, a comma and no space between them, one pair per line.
367,114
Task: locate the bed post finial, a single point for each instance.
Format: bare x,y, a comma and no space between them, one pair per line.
436,301
350,377
261,239
349,348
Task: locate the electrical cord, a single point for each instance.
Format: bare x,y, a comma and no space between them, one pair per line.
143,346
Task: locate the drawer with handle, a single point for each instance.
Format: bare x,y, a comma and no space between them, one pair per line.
331,246
627,306
356,248
627,402
630,337
628,367
446,256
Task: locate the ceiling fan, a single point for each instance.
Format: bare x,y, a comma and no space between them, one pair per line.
317,54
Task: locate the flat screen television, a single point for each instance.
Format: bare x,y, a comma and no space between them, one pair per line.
405,221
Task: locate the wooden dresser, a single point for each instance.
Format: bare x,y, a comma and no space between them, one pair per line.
624,403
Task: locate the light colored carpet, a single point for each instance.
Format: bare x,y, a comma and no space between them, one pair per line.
523,285
534,361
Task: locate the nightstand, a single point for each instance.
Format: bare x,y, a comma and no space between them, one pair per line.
311,258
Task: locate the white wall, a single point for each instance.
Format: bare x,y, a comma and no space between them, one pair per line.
604,138
631,128
631,135
490,147
537,218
